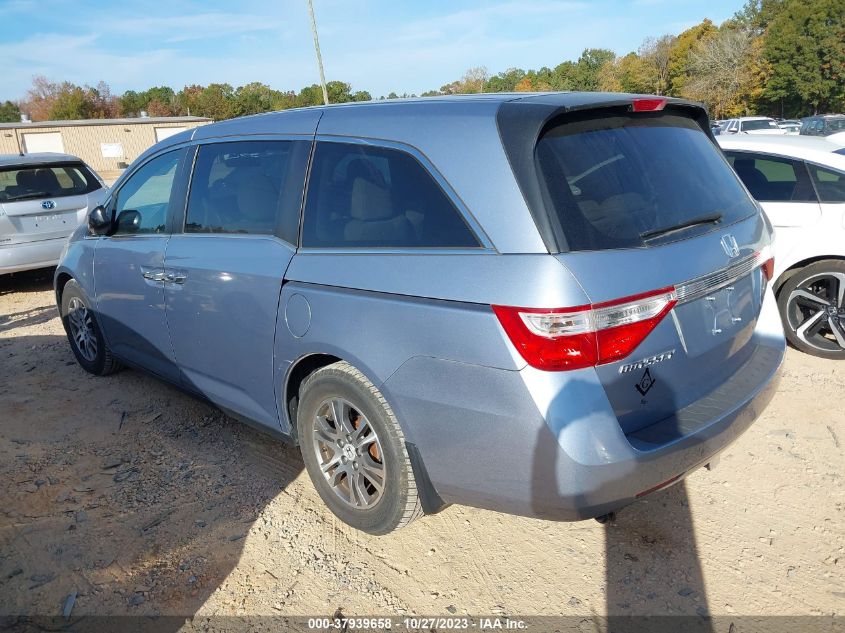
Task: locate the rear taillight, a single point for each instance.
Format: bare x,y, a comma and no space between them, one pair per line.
769,268
557,339
584,336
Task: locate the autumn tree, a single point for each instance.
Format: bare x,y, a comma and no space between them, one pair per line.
680,55
722,71
656,53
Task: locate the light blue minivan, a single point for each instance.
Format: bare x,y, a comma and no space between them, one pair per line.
547,304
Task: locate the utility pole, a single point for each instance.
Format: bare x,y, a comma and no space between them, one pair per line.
317,50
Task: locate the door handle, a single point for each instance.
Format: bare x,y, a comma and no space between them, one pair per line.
153,274
175,277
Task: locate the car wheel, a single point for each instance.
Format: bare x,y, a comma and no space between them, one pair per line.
354,450
83,332
812,308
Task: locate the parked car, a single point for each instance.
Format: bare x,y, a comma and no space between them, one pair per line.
800,182
756,125
530,304
823,124
790,127
43,199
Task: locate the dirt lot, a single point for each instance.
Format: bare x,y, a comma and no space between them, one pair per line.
143,500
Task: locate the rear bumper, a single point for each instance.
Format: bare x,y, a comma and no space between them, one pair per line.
547,444
30,255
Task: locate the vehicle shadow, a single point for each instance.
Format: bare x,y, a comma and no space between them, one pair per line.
27,281
652,564
124,496
26,318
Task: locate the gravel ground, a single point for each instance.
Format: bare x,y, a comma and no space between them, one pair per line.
143,500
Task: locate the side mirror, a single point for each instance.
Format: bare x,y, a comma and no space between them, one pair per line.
98,221
129,221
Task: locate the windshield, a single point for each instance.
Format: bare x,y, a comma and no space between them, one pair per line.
759,125
46,181
636,180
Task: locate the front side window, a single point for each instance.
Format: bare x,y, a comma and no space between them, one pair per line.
365,196
772,178
635,180
46,181
829,183
144,199
247,187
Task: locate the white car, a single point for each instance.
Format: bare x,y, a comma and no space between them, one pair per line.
800,183
44,197
756,125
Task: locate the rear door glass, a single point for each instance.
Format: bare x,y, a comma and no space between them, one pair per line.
628,180
46,181
367,196
772,178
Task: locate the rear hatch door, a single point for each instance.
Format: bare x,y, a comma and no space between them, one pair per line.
649,210
44,202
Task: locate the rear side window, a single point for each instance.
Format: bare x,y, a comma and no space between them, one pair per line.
634,180
365,196
252,187
46,181
829,184
772,178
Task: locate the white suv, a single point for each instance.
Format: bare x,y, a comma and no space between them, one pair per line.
757,125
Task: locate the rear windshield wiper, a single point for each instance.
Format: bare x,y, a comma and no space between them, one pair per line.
32,194
712,218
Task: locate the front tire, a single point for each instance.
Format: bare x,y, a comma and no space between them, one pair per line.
84,333
812,308
354,450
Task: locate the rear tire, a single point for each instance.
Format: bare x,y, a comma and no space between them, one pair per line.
84,333
354,451
812,307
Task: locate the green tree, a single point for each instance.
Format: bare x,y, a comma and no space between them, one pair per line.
585,73
215,102
505,81
9,112
72,102
805,48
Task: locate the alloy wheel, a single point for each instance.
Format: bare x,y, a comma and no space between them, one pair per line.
816,311
349,453
82,329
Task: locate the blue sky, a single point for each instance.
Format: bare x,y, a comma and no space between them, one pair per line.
377,45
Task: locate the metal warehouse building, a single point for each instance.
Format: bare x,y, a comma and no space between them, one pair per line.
108,145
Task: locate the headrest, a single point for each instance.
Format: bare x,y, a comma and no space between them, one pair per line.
25,178
370,201
257,197
46,180
743,163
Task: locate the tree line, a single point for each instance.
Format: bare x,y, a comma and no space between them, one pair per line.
779,57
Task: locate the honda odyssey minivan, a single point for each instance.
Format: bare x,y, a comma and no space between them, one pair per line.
549,304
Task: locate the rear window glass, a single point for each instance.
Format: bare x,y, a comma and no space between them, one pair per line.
636,180
46,181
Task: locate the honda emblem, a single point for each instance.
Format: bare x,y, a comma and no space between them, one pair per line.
730,245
